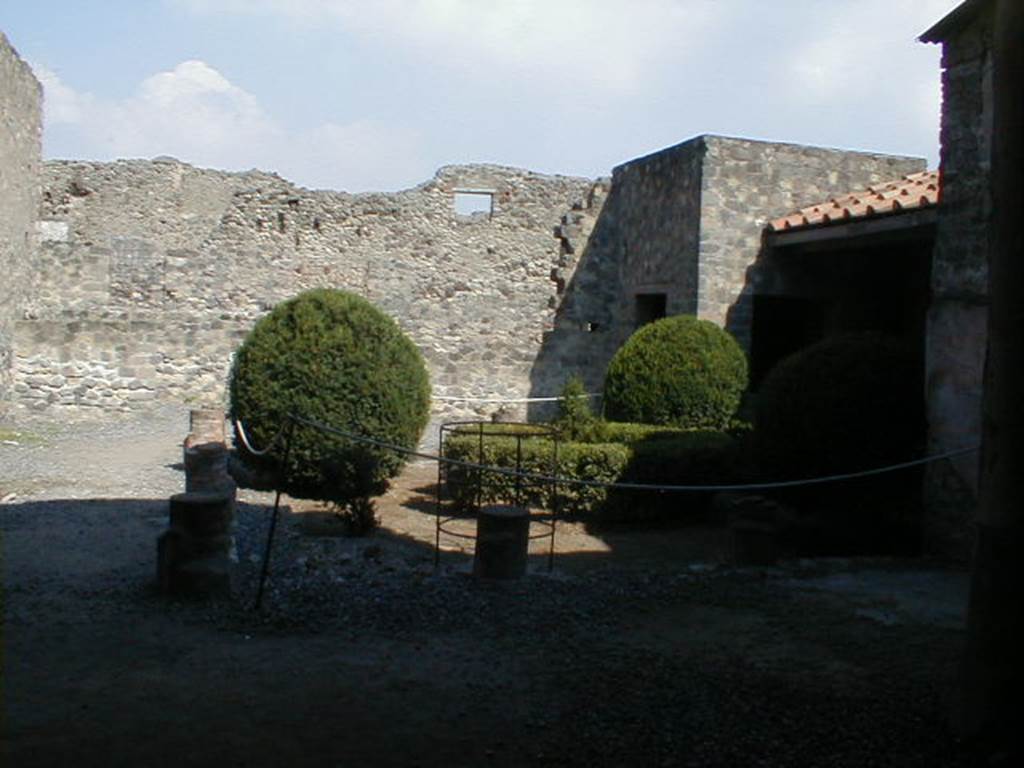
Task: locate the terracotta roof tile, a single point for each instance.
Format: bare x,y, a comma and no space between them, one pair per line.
918,190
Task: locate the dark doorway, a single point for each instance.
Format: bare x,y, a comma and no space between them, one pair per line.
784,325
649,307
827,289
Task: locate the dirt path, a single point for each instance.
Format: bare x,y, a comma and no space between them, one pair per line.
637,650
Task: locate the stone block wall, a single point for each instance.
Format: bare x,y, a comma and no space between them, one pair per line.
637,233
957,318
150,274
20,147
746,183
658,221
685,222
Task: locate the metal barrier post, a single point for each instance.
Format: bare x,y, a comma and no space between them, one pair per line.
273,520
519,470
437,507
554,501
480,472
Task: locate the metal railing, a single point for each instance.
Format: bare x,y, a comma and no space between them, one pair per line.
285,436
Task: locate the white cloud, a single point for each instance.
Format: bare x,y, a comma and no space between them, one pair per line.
191,111
859,79
850,53
577,44
392,89
62,104
196,114
364,154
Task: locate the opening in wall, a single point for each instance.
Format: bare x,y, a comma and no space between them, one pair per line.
474,203
650,307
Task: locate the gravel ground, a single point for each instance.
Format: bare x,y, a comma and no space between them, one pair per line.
365,654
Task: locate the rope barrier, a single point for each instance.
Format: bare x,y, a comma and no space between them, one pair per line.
565,481
240,431
292,420
453,399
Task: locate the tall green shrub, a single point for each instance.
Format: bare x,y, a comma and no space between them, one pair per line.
332,357
678,371
846,403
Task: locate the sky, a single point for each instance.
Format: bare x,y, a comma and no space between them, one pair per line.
362,95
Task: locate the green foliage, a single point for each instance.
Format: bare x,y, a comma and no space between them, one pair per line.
574,412
843,404
359,516
331,357
624,432
663,457
703,457
678,371
601,462
594,431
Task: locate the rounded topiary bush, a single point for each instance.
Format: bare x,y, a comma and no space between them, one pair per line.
678,371
332,357
844,404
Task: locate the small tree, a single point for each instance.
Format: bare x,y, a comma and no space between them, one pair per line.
679,372
575,415
331,357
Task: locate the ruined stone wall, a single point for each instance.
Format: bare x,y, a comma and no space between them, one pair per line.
636,234
957,318
20,146
152,272
746,183
658,221
687,222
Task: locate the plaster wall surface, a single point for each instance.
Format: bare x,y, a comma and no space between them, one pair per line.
957,318
20,147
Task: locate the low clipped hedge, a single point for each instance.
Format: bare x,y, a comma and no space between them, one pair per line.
678,371
332,357
603,462
643,454
624,432
595,431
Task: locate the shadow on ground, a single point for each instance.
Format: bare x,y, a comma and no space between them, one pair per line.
367,656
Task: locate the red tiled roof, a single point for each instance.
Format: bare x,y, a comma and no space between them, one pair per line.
918,190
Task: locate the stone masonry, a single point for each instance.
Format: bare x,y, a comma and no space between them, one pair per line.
20,146
958,315
744,184
687,223
146,275
151,272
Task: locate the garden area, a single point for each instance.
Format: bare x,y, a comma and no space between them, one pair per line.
678,439
641,647
637,640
